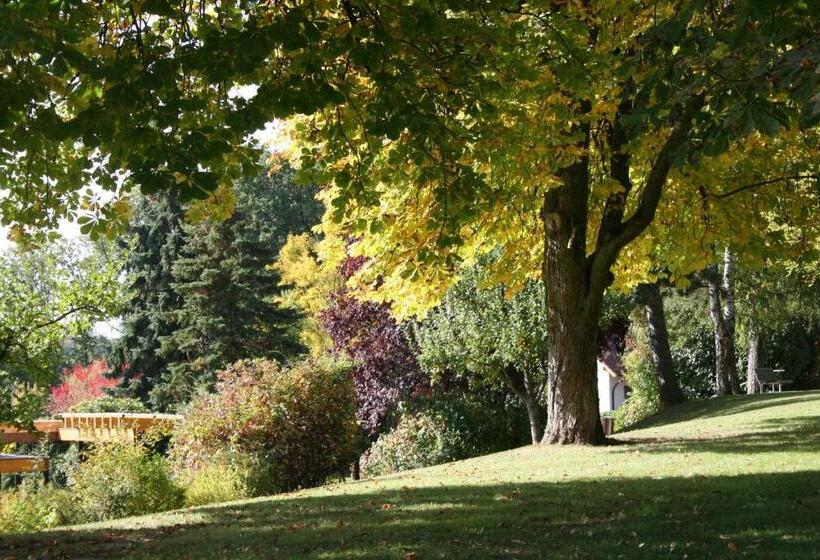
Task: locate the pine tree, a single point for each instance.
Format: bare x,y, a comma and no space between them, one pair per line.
229,309
154,243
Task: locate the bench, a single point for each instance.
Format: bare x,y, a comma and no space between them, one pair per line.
771,378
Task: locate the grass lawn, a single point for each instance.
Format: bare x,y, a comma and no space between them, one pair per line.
737,477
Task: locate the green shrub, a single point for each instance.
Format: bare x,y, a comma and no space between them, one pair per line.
420,439
294,427
639,374
33,507
447,428
219,479
109,404
120,479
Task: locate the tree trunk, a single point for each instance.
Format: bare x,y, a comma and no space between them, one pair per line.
752,382
722,384
669,388
729,318
534,415
573,310
574,282
722,310
521,385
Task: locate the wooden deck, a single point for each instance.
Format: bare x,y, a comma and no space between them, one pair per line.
23,464
44,429
89,427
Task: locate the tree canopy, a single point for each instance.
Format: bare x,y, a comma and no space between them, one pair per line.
554,132
47,296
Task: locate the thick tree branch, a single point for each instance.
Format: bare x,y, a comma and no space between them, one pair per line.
619,162
655,181
607,250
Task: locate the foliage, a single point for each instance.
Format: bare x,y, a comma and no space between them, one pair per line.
310,275
385,368
47,294
32,507
119,480
219,478
110,404
640,376
446,427
79,384
229,309
488,338
87,347
418,440
691,342
294,425
201,293
154,241
479,332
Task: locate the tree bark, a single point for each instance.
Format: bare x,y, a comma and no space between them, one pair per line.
722,310
722,384
534,416
752,382
729,317
575,282
669,388
573,310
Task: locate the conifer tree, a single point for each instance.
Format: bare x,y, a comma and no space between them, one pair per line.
155,242
228,290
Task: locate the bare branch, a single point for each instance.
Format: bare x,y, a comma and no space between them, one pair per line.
763,183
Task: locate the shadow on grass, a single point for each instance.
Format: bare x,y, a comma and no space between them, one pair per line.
724,406
760,516
797,434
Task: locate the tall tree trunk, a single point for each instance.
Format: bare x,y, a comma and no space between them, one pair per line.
669,388
522,386
575,282
722,310
722,384
752,382
573,310
729,317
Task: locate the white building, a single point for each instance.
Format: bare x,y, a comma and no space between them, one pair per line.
612,391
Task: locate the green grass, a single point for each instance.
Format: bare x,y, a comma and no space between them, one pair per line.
737,477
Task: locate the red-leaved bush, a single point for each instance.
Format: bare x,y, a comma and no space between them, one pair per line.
79,384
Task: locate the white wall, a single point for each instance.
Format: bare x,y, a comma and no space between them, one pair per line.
609,387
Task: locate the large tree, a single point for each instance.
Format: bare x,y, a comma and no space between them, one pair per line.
229,309
445,129
153,243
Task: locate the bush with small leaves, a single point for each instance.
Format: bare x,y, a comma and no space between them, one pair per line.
122,479
221,478
110,404
639,374
33,508
419,440
294,426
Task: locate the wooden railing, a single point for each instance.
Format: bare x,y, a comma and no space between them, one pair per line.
89,426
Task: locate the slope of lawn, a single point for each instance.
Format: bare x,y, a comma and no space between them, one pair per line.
735,477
